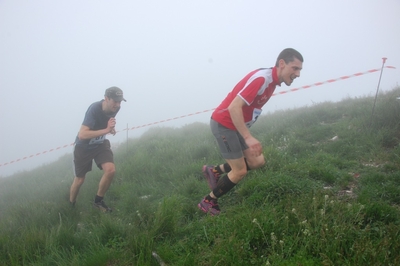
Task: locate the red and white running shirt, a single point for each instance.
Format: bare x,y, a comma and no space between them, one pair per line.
255,89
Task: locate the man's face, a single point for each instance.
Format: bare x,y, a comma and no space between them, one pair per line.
290,71
111,105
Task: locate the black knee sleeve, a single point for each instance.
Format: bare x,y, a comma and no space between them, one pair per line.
223,186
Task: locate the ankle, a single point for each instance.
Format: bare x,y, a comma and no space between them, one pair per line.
98,199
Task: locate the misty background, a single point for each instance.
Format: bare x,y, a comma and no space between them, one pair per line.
173,58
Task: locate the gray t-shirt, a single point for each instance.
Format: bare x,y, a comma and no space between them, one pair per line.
95,119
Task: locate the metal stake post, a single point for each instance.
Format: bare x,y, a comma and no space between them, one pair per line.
377,90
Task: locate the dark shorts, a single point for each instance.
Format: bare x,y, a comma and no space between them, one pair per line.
230,142
83,157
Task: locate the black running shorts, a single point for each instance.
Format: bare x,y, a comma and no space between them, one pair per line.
83,157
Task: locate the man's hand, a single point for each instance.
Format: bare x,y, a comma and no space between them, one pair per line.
254,146
111,125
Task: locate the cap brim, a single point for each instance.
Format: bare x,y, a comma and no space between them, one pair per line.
118,99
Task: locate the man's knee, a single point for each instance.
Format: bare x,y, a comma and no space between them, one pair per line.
110,172
237,174
109,169
79,181
256,163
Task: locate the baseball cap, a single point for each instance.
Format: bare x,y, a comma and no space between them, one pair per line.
115,93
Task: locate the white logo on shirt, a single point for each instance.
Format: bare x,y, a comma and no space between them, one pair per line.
256,114
97,140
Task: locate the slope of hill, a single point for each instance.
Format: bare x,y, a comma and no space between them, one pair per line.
329,195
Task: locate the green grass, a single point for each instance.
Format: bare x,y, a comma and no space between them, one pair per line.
318,201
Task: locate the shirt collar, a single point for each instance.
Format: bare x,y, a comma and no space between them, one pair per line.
275,79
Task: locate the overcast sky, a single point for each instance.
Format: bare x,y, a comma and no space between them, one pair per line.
173,58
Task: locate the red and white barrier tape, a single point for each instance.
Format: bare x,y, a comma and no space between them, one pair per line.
37,154
205,111
332,80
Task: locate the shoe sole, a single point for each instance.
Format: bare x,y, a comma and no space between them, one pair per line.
205,211
211,185
102,209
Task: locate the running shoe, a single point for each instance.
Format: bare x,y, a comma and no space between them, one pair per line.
102,206
210,176
209,206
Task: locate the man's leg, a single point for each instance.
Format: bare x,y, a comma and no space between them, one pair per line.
105,161
228,181
239,160
106,179
224,137
74,190
212,173
231,145
105,182
82,164
239,168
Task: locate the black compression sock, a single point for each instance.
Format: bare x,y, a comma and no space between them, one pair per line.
98,199
227,168
217,170
223,186
209,198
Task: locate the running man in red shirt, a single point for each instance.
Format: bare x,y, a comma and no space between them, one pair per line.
231,120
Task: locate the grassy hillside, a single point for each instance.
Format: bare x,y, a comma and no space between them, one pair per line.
329,195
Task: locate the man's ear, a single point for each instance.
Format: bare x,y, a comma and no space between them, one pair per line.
281,63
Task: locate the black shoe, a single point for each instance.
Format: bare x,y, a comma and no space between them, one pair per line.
102,206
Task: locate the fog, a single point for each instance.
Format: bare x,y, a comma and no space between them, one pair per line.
171,59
